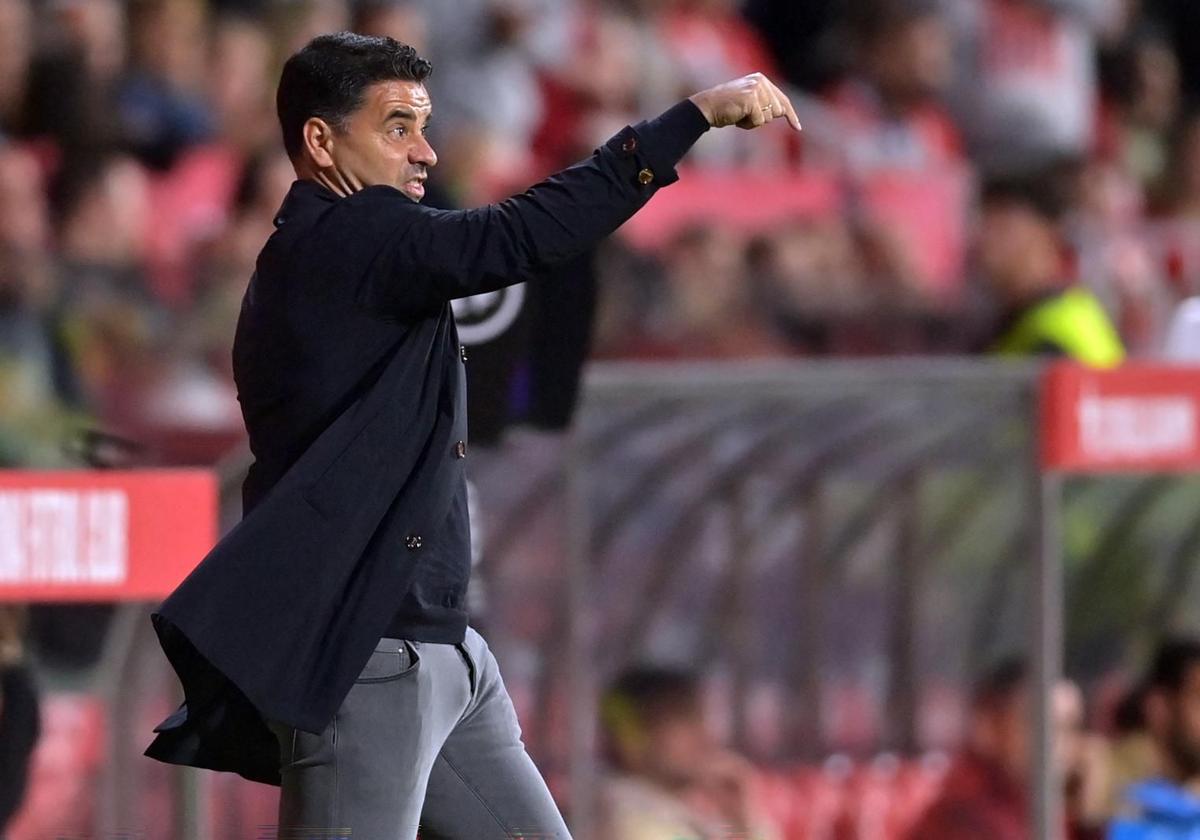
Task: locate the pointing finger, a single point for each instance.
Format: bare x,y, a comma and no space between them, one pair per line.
788,110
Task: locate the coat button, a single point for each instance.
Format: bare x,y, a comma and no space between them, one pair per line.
412,542
645,177
460,449
462,352
629,145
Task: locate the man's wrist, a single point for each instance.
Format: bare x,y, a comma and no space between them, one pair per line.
697,99
674,131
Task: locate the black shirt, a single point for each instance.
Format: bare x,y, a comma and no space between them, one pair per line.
434,608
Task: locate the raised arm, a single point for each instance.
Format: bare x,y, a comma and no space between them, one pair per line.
430,256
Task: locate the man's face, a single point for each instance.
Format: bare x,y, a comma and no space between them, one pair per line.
676,749
914,62
1017,250
1175,719
383,142
1007,737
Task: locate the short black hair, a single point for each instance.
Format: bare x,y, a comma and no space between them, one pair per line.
872,21
327,77
1172,662
653,693
1050,190
999,685
640,699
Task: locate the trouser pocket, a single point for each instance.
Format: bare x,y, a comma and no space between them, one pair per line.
392,659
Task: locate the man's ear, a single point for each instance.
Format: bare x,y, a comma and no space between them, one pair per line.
318,141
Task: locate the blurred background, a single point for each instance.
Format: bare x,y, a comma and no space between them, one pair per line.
753,482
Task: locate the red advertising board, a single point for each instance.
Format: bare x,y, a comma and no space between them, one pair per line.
103,536
1135,418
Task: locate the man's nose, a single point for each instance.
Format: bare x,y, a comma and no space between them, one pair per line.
422,153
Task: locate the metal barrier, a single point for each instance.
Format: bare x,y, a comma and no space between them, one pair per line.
838,545
818,537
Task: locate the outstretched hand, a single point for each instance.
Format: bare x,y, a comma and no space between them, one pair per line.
747,102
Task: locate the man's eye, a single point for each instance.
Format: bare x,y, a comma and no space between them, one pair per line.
398,130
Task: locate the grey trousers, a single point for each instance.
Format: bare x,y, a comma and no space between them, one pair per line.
427,739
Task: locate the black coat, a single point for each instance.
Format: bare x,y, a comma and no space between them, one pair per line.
352,388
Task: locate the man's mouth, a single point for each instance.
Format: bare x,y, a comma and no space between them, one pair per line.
415,187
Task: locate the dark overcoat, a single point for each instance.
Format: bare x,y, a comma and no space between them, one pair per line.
350,378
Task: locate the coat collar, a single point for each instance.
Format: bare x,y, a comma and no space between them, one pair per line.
303,193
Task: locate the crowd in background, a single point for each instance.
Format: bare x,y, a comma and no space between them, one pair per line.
1130,771
140,168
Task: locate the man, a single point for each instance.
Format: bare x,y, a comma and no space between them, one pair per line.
1021,256
890,109
323,644
986,791
673,780
1171,710
1155,769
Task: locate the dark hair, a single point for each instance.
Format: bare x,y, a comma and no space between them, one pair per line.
641,698
655,691
77,178
872,21
327,78
1048,191
1000,685
1175,657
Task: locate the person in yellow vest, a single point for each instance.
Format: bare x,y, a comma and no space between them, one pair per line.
1021,257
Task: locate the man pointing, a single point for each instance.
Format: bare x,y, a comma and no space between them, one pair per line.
323,644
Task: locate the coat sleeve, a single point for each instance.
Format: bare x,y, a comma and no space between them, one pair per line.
431,256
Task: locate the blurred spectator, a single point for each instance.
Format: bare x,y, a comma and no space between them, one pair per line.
1172,711
404,20
1113,259
1180,196
702,308
114,325
96,28
1181,18
304,20
20,721
888,111
901,150
672,780
986,790
1132,754
161,103
239,84
612,73
1144,100
196,389
1158,794
16,50
1027,92
70,96
485,86
1021,257
808,275
37,379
